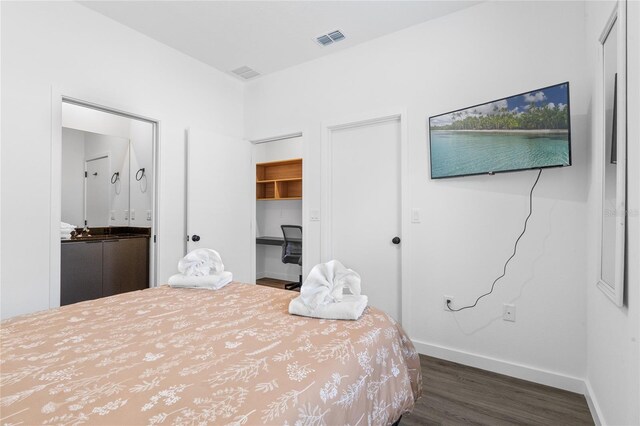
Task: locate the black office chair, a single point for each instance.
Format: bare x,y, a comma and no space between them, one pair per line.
292,250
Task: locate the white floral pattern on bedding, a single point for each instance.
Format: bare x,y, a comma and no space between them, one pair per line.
233,356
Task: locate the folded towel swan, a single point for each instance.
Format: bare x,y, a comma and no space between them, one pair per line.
201,262
201,268
322,293
326,283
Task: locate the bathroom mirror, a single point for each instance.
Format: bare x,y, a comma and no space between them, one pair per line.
613,158
106,165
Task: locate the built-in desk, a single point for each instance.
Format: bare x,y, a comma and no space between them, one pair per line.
275,241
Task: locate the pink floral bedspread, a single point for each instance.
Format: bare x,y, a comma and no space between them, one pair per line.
234,356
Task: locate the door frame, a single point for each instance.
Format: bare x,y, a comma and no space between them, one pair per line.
305,179
359,120
58,97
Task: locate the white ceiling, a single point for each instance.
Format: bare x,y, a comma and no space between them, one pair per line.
267,35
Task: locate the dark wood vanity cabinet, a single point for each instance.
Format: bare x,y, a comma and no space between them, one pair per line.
81,271
125,265
94,269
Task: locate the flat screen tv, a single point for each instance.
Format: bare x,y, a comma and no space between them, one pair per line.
530,130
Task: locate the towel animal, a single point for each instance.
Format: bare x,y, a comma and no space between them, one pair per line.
201,262
326,283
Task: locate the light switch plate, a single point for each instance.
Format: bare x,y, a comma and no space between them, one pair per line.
314,215
126,215
148,214
415,215
133,214
113,215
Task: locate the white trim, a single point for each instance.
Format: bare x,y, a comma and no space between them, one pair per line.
609,25
55,177
615,290
253,226
305,217
155,202
594,407
405,216
519,371
187,161
277,138
55,198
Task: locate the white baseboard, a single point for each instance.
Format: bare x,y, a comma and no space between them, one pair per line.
549,378
594,408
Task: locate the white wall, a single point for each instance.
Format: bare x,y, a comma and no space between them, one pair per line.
81,54
95,121
469,225
72,177
141,156
278,150
613,358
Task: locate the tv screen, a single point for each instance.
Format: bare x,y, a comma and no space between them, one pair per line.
531,130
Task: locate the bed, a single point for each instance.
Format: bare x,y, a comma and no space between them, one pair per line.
234,356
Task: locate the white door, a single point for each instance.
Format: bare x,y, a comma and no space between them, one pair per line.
97,192
365,208
219,212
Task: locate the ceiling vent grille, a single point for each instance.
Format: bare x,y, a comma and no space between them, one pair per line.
332,37
245,72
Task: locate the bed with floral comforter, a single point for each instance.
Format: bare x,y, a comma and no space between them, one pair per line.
234,356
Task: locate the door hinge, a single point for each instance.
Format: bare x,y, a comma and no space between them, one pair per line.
154,238
85,174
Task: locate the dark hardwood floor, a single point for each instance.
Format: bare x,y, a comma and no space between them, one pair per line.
272,282
454,394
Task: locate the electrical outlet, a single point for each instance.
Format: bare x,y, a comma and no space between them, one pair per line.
126,215
509,312
445,305
132,214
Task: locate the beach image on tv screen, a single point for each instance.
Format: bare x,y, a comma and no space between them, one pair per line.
525,131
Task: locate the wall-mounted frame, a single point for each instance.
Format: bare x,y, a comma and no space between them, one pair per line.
612,138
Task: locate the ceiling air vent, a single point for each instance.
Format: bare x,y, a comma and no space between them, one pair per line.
245,72
332,37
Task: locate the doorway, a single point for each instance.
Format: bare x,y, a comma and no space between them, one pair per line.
278,167
103,186
363,200
96,191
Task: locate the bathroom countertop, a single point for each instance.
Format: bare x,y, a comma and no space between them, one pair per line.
111,233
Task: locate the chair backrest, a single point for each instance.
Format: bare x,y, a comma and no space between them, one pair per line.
291,233
292,247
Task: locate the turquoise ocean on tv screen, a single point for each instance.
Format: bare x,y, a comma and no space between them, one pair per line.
455,153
